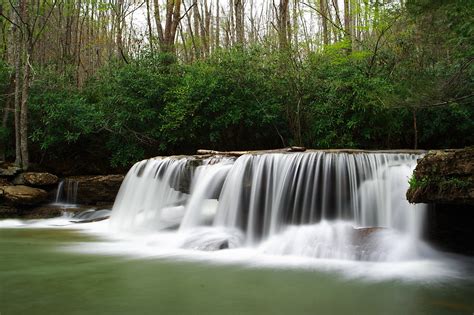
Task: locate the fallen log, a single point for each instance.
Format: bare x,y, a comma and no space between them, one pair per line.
239,153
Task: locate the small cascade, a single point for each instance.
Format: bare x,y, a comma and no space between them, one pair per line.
316,204
66,193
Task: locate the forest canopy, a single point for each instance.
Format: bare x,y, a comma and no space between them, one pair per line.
114,81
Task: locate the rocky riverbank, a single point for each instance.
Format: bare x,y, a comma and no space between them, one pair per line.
444,177
36,195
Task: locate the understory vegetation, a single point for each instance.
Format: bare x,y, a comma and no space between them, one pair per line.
408,85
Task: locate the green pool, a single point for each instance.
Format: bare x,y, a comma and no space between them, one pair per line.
38,277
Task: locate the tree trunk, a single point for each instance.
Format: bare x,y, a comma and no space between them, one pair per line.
6,113
24,108
197,29
148,22
218,30
231,22
324,22
119,30
283,24
239,23
347,23
18,56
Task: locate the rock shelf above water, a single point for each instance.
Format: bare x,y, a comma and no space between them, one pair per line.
444,177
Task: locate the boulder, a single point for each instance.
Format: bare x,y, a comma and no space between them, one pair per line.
9,169
35,179
22,195
444,177
93,190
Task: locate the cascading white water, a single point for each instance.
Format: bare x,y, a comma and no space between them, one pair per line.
205,188
66,193
305,204
147,199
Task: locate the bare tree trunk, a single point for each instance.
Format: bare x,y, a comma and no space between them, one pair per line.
24,108
324,22
191,33
207,28
231,22
6,113
26,45
159,27
148,22
283,24
239,23
119,30
218,29
18,56
167,35
197,29
348,23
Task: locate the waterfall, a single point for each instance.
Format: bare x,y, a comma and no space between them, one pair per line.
66,193
317,204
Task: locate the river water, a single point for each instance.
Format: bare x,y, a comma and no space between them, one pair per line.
40,274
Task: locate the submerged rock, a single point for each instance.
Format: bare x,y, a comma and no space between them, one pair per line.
91,215
212,239
35,179
22,195
444,177
360,234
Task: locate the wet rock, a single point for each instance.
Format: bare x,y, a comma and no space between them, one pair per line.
444,177
35,179
22,195
93,190
7,211
224,245
91,215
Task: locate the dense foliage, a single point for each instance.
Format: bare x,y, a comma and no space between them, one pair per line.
410,86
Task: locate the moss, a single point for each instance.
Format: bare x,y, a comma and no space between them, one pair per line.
454,182
439,181
416,183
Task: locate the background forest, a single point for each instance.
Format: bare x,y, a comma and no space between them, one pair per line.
94,84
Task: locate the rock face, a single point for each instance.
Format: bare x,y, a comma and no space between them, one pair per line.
445,180
96,189
444,177
22,195
36,179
